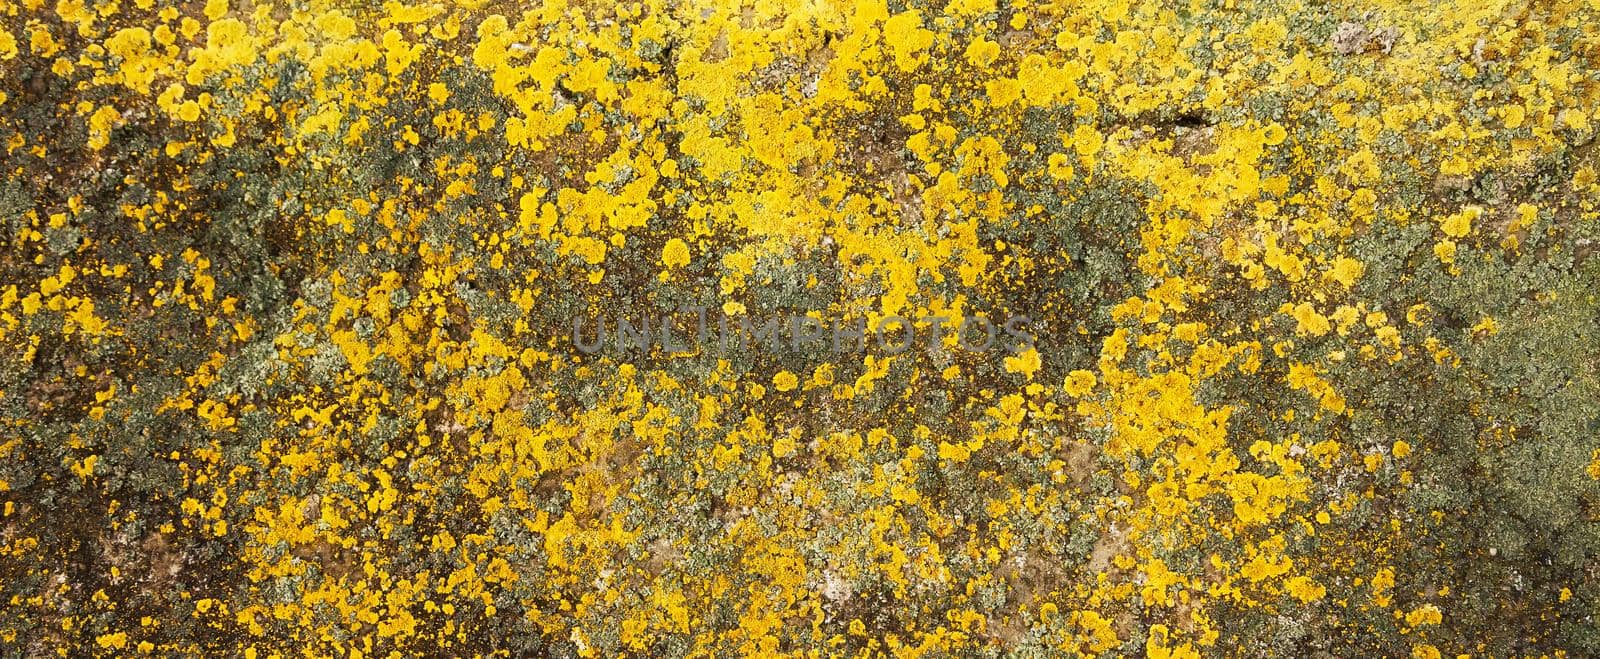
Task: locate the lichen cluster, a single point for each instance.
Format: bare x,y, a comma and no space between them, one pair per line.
287,292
